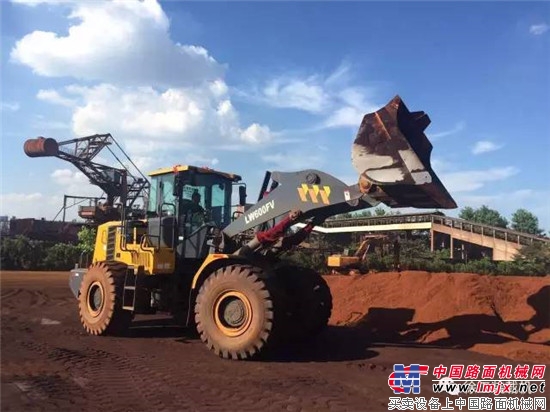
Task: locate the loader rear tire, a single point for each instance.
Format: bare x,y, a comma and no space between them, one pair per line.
235,312
310,302
100,299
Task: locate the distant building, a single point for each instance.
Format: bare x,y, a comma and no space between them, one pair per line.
41,229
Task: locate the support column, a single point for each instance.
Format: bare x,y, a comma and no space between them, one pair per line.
432,240
452,247
64,206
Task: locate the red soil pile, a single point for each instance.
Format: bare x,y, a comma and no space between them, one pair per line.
499,315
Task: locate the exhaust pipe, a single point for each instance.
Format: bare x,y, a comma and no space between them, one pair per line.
391,153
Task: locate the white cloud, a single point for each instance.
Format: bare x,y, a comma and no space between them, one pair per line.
53,96
66,177
119,41
36,205
472,200
147,120
200,160
538,29
345,116
470,180
439,165
331,96
33,3
303,94
154,97
256,133
485,146
10,106
457,128
74,182
21,197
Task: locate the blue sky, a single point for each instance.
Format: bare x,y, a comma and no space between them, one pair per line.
254,86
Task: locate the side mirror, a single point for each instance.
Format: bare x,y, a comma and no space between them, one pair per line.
242,195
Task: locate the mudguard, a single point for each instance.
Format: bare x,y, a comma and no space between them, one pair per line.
75,280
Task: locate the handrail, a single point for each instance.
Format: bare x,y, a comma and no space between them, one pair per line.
508,235
380,220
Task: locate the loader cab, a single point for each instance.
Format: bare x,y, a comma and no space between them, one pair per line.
186,204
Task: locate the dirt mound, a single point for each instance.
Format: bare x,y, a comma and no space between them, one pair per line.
498,315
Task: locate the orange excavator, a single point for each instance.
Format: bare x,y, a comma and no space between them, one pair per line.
351,264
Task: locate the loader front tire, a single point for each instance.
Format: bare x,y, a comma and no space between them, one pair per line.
310,302
235,311
100,299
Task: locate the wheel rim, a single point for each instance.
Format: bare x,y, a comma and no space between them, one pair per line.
96,299
232,313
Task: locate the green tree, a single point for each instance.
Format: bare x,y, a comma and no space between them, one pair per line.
467,213
86,239
21,252
484,215
379,211
526,222
533,259
61,256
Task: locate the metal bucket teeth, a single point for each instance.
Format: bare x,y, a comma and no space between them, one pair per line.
391,153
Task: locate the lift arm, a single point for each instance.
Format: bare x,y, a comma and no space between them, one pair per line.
391,154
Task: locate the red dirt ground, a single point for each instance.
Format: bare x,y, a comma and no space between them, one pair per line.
498,315
48,363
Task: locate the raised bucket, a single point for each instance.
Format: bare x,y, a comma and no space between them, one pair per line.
391,153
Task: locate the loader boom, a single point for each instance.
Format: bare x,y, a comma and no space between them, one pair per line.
314,193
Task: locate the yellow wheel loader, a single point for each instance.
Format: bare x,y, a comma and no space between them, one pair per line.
219,270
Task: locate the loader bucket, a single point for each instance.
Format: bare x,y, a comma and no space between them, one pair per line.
391,153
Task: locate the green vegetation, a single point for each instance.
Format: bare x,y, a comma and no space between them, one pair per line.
378,211
21,253
522,220
483,215
86,240
526,222
534,260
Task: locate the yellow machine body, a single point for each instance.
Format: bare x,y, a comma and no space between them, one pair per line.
340,261
134,251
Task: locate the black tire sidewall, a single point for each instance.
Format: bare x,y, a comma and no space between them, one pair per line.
98,324
245,282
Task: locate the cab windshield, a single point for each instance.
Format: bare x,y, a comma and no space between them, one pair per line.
211,192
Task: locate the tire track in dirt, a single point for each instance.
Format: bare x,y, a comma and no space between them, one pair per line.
237,385
19,297
150,373
119,380
136,381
